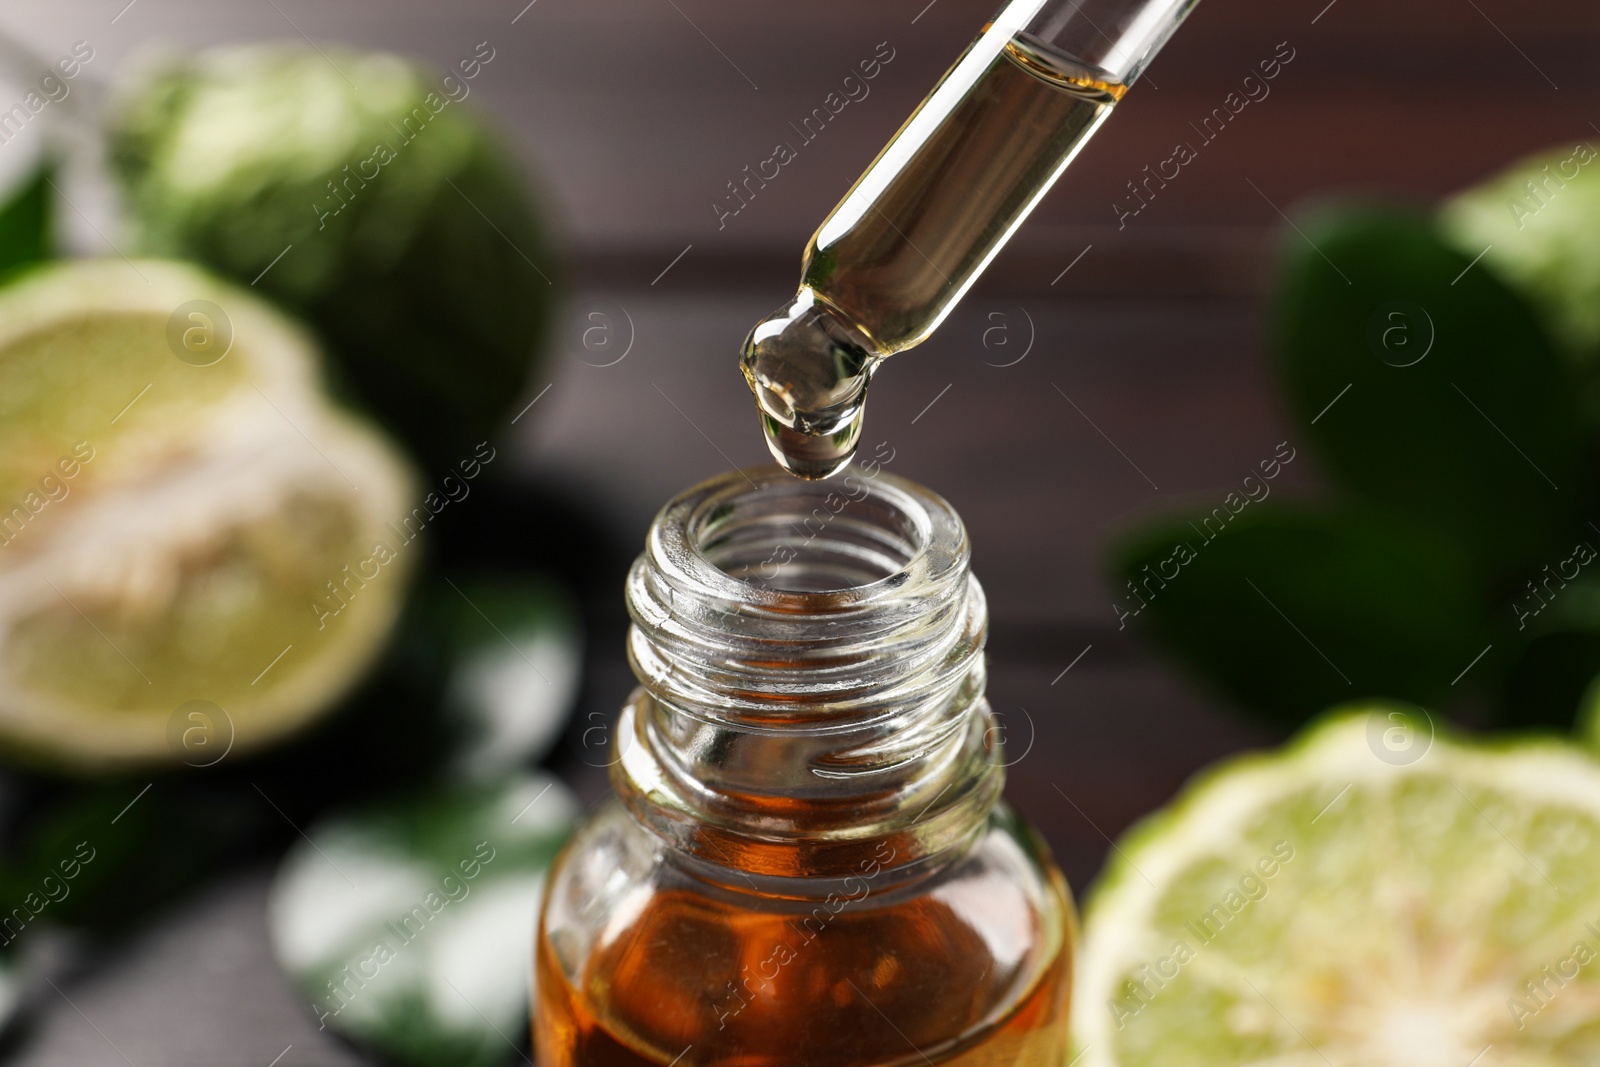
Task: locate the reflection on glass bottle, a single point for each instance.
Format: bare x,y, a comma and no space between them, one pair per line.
807,859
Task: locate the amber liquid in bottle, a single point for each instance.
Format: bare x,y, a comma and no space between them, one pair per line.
875,987
914,233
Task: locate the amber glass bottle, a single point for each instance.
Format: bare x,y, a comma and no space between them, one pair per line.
807,861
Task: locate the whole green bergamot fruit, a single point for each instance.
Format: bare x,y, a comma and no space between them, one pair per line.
365,194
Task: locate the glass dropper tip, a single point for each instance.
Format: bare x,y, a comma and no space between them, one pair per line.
809,371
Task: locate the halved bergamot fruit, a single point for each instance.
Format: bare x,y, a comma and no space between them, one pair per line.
185,521
1370,897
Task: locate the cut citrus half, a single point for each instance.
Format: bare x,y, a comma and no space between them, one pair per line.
1371,896
111,370
197,553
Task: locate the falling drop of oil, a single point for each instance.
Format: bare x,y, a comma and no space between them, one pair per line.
809,370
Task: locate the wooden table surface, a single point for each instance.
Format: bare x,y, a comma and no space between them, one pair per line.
1145,380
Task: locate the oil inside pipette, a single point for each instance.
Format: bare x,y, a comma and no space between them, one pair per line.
912,235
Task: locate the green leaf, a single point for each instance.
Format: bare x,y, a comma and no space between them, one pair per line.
1588,726
513,645
26,224
1557,634
1289,611
409,924
458,694
126,847
1548,683
1425,384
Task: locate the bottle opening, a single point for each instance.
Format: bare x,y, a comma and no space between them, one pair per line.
807,537
810,662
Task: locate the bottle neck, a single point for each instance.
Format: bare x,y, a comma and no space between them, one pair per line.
810,659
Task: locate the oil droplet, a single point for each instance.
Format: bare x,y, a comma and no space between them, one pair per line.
812,456
809,370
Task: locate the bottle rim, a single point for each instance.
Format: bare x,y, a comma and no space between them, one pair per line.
909,540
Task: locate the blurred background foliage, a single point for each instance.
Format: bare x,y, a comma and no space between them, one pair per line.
1440,368
428,281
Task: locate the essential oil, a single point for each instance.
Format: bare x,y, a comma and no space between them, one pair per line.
913,234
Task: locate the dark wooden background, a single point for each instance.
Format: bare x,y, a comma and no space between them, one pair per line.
1146,381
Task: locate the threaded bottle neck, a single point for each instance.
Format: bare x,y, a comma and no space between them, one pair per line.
810,659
